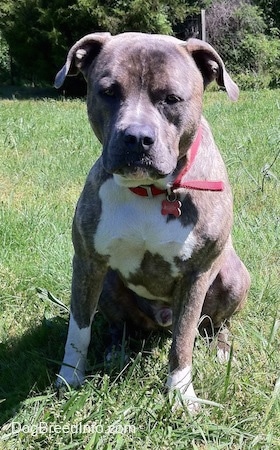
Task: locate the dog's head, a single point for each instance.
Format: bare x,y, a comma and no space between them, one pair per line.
144,98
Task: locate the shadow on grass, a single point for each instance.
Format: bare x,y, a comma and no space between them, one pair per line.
71,89
28,366
26,93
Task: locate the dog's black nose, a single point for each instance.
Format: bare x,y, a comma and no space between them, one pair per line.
139,137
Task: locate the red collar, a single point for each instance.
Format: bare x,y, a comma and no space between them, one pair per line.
204,185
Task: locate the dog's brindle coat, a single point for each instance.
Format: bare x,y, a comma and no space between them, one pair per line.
145,106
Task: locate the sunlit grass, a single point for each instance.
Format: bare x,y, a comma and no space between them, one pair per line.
46,150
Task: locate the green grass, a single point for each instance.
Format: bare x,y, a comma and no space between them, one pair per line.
46,150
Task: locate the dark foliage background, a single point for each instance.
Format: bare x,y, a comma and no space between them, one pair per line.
35,35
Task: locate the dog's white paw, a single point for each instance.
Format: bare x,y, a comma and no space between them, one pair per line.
223,355
224,348
71,376
72,371
189,399
181,380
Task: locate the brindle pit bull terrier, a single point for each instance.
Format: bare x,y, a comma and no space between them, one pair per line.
156,209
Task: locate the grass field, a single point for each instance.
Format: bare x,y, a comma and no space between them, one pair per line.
46,150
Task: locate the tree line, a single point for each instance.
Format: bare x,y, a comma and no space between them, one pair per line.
36,34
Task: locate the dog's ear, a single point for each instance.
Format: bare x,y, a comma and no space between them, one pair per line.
81,55
211,66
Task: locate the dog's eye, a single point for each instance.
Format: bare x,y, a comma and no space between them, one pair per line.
109,92
172,99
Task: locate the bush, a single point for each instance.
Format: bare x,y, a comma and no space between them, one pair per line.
251,81
258,62
4,60
236,29
228,22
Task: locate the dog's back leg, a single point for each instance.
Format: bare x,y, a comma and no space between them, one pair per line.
226,295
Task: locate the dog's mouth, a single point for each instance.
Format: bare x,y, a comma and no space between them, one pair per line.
140,166
140,175
131,182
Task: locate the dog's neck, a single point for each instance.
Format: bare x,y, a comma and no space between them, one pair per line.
204,185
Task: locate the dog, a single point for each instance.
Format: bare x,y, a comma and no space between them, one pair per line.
152,228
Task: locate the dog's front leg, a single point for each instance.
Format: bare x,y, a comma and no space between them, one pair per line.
188,302
86,287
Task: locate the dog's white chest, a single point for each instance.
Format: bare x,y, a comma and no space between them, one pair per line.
130,226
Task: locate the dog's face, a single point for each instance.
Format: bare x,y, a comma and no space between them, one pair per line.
140,109
144,99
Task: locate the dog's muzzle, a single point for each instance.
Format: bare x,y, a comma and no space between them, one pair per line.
133,153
